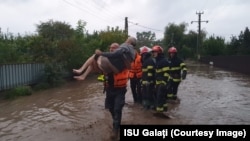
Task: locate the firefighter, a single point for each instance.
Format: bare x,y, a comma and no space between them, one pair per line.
112,48
116,88
101,77
177,71
135,74
148,78
163,79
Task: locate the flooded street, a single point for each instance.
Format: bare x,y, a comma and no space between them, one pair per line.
75,111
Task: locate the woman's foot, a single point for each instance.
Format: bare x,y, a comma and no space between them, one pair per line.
76,71
79,78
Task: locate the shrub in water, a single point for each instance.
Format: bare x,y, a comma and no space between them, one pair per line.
18,91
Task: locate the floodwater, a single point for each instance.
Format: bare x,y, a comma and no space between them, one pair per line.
75,111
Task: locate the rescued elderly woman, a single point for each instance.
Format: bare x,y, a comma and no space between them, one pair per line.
107,62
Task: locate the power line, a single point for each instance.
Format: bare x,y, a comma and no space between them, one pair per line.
106,8
137,24
80,7
91,6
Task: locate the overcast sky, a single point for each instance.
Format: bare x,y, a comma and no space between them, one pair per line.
226,17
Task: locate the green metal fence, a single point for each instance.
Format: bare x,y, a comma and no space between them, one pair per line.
13,75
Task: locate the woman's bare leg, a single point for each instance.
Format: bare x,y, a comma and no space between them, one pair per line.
91,68
106,66
85,65
85,74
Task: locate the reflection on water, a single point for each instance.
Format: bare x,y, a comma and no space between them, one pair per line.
51,109
215,96
209,95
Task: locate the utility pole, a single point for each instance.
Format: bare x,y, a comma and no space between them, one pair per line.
126,26
199,33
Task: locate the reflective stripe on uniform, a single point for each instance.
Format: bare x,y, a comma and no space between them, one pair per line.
150,74
175,68
176,80
150,67
159,109
170,95
165,68
160,82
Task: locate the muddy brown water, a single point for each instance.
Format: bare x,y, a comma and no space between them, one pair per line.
75,111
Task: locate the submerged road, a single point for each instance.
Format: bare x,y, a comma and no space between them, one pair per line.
75,111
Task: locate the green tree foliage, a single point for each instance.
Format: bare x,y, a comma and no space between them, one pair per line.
244,40
191,39
55,30
232,47
17,92
145,39
186,52
174,34
75,50
189,49
214,46
111,35
80,31
23,45
7,53
14,49
52,44
50,35
240,45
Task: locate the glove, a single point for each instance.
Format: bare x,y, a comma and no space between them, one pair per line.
101,78
184,74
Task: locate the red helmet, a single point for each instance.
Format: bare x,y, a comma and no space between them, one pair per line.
144,49
172,50
157,49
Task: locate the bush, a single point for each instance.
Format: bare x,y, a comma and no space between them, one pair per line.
41,86
18,91
46,85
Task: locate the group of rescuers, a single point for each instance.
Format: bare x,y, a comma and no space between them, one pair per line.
154,78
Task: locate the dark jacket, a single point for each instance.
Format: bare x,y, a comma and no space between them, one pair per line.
162,70
148,68
177,67
122,57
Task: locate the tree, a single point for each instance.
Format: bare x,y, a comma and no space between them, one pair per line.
240,45
244,40
51,46
174,34
214,46
55,30
80,30
110,35
232,47
190,44
13,49
145,39
76,50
